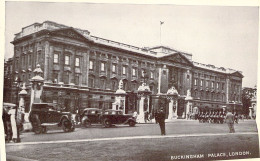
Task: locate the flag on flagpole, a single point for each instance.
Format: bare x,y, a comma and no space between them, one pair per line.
161,22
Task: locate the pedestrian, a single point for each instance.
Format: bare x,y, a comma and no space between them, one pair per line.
230,121
145,116
188,115
156,116
161,121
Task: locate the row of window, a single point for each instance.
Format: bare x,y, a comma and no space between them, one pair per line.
114,69
26,59
209,96
113,84
207,84
102,65
67,60
208,76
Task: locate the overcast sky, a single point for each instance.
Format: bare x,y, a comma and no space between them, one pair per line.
219,35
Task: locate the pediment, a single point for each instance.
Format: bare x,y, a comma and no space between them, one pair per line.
237,74
70,33
178,58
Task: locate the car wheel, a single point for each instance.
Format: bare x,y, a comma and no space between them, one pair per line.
131,123
66,125
87,123
44,129
107,123
37,130
72,128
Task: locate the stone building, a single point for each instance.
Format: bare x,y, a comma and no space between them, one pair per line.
81,70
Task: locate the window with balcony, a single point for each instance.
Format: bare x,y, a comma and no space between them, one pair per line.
91,82
195,82
134,71
39,56
142,72
124,70
114,68
152,75
207,95
30,59
77,61
91,65
102,84
66,78
133,86
102,68
77,80
67,60
207,83
56,58
125,85
114,85
55,77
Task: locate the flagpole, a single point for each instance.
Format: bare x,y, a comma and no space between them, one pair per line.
160,33
161,22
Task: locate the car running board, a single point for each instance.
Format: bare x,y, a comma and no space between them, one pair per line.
49,124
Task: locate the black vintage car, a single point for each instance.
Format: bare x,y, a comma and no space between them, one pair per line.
90,116
110,117
46,114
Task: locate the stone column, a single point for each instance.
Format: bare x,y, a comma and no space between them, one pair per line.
140,117
171,114
143,93
188,101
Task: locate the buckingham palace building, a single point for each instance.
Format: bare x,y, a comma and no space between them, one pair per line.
82,71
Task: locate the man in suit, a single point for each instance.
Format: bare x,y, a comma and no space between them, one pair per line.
161,121
230,121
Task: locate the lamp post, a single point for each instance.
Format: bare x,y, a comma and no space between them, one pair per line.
17,85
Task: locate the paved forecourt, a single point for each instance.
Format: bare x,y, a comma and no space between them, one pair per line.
196,146
180,127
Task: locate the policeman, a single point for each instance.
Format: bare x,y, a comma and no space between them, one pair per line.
161,121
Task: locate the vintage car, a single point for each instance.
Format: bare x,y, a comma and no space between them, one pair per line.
47,114
110,117
90,116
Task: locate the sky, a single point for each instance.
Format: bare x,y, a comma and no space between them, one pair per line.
225,36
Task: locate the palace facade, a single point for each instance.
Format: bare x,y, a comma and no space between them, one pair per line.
81,70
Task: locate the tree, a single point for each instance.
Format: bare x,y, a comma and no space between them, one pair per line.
247,95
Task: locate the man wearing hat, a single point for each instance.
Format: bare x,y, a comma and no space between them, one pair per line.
161,121
230,121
